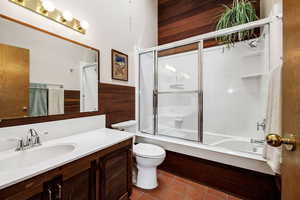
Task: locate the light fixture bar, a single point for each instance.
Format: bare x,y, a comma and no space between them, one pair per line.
54,14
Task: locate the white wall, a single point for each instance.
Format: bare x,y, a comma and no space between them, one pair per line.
117,24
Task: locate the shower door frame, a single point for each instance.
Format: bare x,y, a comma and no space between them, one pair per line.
199,40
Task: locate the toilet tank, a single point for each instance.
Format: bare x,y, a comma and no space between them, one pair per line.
128,126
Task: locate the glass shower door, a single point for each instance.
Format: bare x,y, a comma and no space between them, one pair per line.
146,87
178,94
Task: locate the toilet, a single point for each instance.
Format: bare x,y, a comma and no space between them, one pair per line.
147,156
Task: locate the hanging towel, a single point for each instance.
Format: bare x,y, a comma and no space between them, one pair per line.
55,101
38,100
273,123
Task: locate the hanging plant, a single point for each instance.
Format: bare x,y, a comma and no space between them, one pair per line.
241,12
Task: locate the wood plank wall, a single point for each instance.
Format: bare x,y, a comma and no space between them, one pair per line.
117,102
72,101
243,183
181,19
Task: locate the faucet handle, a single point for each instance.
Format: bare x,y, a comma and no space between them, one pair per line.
37,140
20,145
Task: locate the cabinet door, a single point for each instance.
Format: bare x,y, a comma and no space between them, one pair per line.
82,186
115,175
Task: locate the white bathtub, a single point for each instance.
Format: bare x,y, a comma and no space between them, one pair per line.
240,145
219,140
233,151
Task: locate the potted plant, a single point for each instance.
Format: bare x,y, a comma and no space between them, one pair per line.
241,12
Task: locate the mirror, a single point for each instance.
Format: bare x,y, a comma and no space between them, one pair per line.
42,74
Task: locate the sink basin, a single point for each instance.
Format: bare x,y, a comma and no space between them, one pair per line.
30,157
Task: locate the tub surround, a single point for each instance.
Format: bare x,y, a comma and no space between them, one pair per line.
85,144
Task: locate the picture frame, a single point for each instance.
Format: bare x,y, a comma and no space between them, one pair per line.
119,63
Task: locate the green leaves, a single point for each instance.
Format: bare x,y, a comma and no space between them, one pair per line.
241,12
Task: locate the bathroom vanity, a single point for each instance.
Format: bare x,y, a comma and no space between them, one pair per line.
95,165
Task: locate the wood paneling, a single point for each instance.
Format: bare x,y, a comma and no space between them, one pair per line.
72,101
117,102
237,181
291,98
178,19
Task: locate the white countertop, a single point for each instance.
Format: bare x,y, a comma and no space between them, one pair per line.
85,144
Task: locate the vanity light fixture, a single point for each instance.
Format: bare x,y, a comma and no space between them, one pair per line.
47,9
47,6
84,24
67,16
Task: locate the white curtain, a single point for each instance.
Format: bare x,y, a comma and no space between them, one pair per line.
273,123
89,90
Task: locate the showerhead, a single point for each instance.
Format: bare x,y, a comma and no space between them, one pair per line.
253,43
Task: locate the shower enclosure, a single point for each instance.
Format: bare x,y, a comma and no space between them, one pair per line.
205,92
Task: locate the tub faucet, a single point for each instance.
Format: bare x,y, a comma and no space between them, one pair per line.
32,140
257,141
261,125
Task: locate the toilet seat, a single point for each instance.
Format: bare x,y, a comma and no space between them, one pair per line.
148,151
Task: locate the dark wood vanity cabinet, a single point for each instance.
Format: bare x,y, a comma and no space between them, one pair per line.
105,175
114,180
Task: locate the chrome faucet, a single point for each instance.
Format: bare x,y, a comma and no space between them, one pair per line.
261,125
32,140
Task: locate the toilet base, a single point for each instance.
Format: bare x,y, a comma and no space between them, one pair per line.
147,178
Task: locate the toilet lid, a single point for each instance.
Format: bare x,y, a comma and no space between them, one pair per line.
148,150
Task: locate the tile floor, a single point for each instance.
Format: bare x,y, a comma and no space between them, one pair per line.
172,187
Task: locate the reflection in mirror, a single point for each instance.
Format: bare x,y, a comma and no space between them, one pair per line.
43,75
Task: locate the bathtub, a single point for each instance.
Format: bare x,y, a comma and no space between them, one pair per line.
230,150
240,145
218,140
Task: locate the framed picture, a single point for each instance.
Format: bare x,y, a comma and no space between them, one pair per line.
119,63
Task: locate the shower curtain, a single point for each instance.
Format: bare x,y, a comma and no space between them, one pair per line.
38,94
273,123
89,88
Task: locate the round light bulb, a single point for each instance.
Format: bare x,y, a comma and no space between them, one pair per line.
68,16
84,24
48,5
